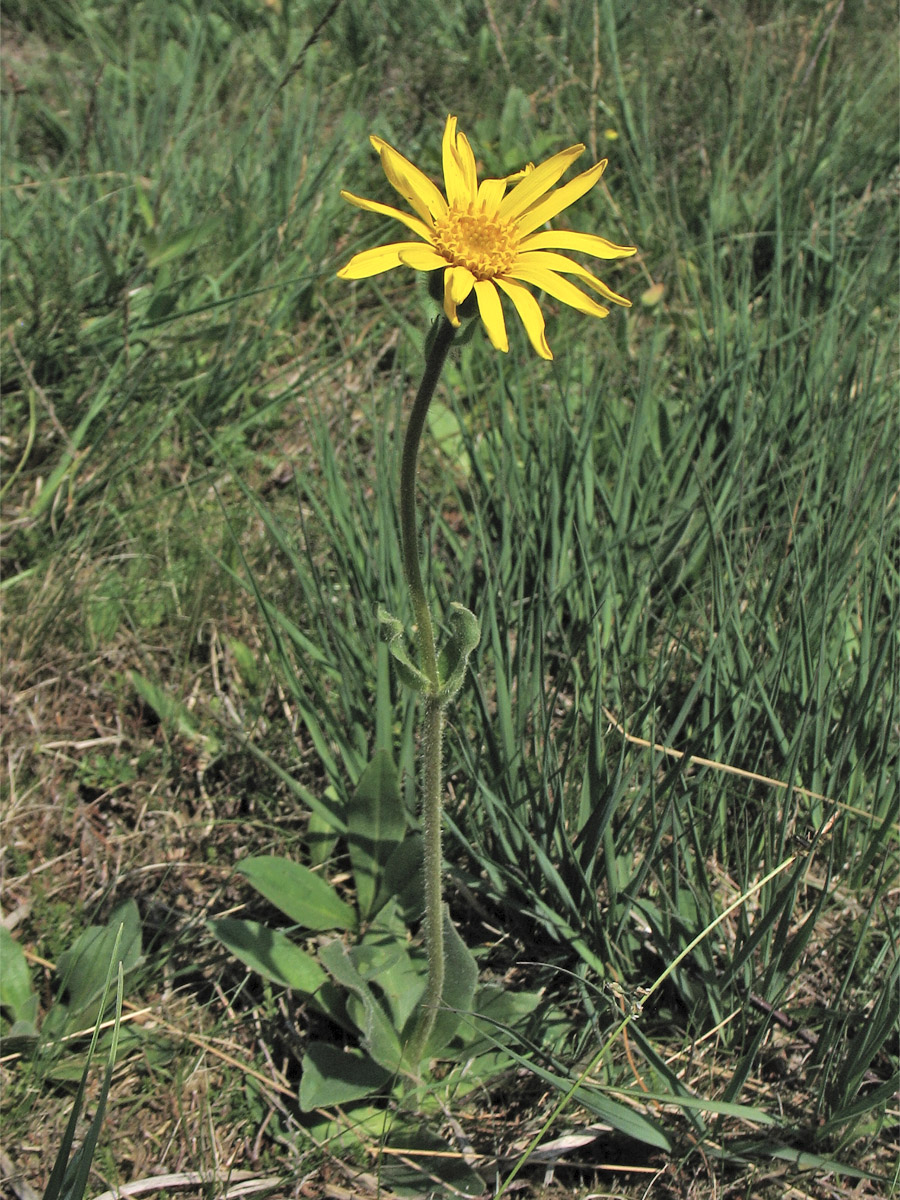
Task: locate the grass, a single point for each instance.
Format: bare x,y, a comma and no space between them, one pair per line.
680,537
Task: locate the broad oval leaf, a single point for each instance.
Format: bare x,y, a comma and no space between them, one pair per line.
335,1076
84,967
299,893
428,1157
376,825
269,953
379,1036
402,878
460,979
17,993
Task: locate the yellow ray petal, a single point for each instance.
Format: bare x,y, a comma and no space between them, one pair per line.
490,193
568,239
552,261
491,311
496,223
467,164
422,258
387,210
530,313
537,182
373,262
560,289
606,292
458,282
546,260
460,175
414,186
547,209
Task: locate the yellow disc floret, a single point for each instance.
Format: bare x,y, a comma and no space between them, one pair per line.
470,237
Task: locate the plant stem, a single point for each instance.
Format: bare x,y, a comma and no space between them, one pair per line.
408,531
433,723
432,747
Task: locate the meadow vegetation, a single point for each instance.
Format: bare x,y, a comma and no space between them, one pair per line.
672,772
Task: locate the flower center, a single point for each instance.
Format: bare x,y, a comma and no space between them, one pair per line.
470,237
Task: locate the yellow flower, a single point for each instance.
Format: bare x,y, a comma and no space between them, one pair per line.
484,239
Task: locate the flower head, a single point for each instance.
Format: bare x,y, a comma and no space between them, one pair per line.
487,241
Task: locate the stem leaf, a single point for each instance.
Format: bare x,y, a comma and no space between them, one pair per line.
465,634
391,631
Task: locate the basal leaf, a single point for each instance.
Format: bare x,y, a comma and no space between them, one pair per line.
383,959
460,979
269,953
379,1036
497,1010
376,824
402,878
83,969
430,1158
332,1075
17,994
299,893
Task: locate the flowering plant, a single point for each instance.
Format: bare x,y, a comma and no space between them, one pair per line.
485,238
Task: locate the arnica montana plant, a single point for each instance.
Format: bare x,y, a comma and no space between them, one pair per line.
485,240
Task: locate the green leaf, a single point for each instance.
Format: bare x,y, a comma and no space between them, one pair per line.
143,204
433,1158
69,1176
299,893
382,958
335,1076
403,878
378,951
269,953
722,1108
17,994
67,465
496,1011
368,1126
870,1101
460,980
391,631
376,824
803,1160
83,968
246,661
465,634
321,838
627,1120
379,1036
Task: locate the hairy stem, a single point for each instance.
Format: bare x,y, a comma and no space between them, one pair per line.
432,738
433,722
